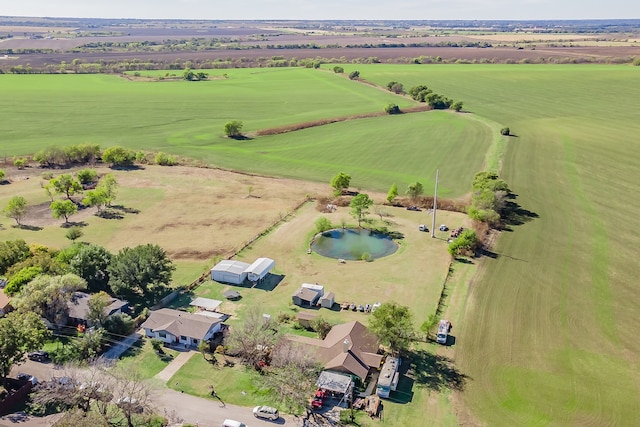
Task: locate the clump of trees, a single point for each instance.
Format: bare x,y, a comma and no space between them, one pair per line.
415,190
194,76
164,159
423,93
354,75
393,324
70,155
465,244
323,224
340,182
395,87
489,198
338,69
119,156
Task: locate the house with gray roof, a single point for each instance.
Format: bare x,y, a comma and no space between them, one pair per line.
79,308
181,328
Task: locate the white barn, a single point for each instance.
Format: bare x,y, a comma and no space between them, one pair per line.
259,269
230,271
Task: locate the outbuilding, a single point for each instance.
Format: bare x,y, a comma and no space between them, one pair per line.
259,269
328,300
230,271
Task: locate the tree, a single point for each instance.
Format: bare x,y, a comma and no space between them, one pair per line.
96,198
338,69
359,206
12,252
97,304
233,129
20,162
392,109
164,159
465,244
48,296
415,190
419,93
393,324
74,233
16,208
505,131
21,278
143,270
20,332
323,224
340,182
119,324
118,156
63,209
91,263
254,339
429,324
354,75
66,184
2,175
292,374
321,326
395,87
457,106
393,193
109,186
87,176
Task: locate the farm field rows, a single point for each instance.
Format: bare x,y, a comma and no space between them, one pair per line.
548,334
187,118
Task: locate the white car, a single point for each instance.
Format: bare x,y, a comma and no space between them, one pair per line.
266,412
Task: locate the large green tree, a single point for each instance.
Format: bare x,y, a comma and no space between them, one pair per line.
393,193
233,129
360,205
415,190
63,209
16,208
20,332
48,296
92,263
142,270
340,182
12,252
66,184
393,324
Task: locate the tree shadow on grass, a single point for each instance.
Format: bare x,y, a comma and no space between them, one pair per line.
74,224
125,209
433,371
513,214
27,227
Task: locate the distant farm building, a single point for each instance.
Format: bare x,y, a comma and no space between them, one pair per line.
230,271
236,272
308,295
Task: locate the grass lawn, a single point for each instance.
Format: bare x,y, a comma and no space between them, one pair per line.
235,385
142,358
547,334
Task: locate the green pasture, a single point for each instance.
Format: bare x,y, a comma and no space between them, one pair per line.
548,336
187,118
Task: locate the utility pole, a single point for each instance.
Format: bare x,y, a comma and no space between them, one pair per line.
435,205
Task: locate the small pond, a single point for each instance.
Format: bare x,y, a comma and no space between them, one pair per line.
351,244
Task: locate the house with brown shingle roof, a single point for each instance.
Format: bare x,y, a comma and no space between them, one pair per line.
180,327
5,303
348,348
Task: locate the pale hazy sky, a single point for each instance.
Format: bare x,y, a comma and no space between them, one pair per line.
326,9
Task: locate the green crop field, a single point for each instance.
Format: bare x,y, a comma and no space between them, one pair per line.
187,118
549,331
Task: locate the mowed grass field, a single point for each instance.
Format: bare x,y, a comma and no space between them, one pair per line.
187,118
548,335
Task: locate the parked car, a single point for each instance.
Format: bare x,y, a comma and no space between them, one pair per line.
27,377
367,308
352,307
413,208
360,307
38,356
233,423
443,227
266,412
375,306
318,399
423,227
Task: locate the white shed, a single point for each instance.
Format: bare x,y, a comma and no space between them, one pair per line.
260,268
230,271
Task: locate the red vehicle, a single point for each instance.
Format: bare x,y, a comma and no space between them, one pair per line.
318,399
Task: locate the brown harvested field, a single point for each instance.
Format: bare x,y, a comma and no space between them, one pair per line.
195,214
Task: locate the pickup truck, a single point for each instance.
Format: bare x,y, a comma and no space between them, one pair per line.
443,331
